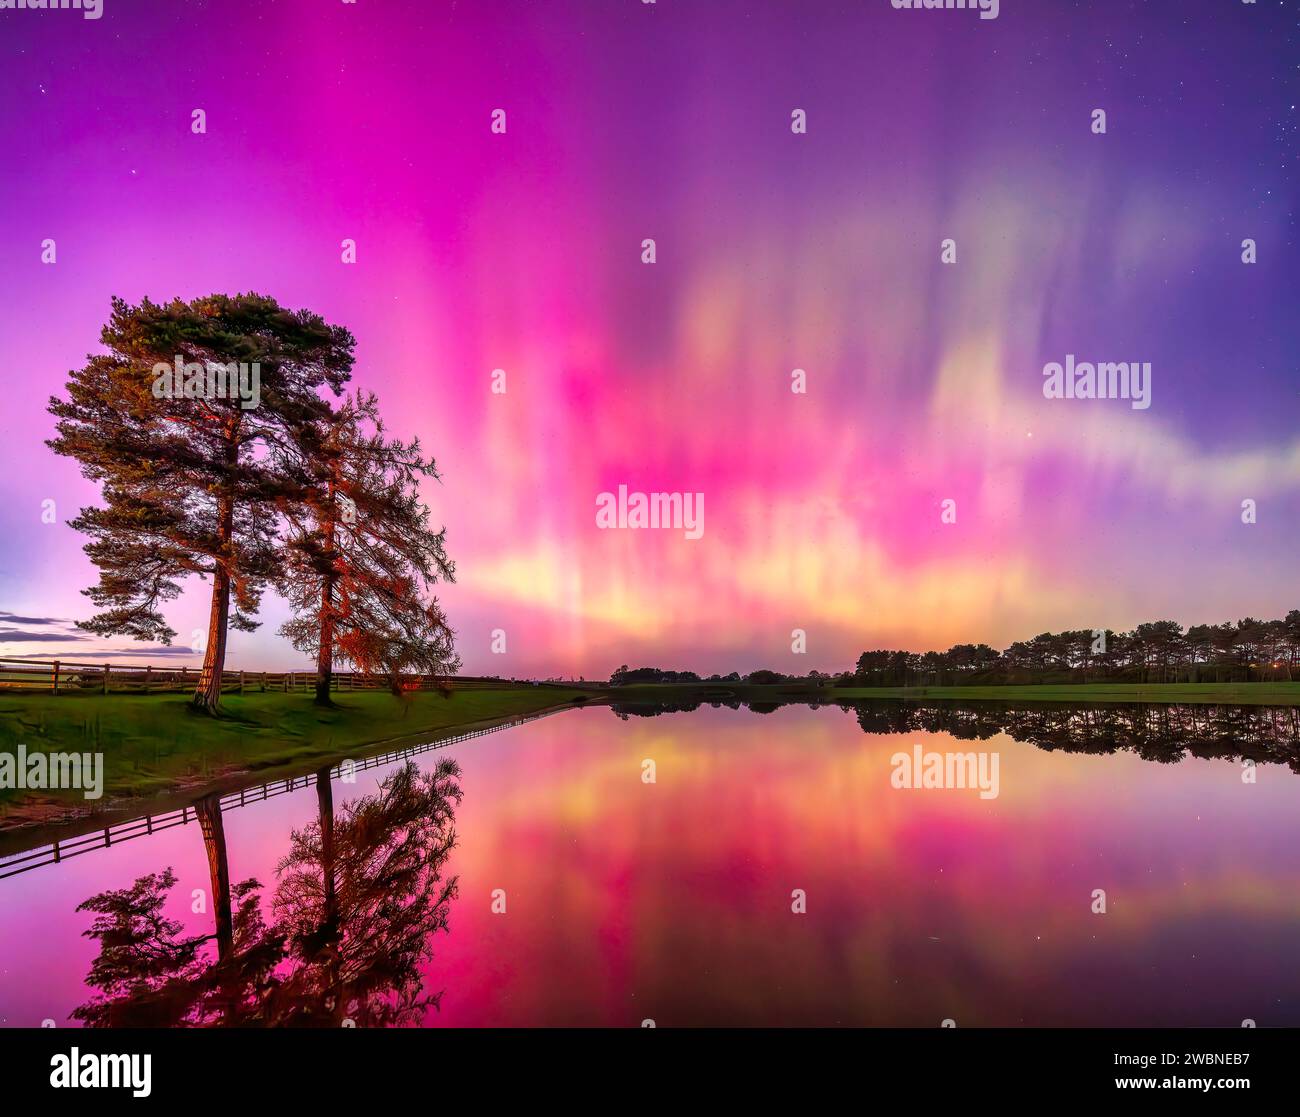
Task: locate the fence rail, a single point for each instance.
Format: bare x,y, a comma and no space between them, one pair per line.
53,853
66,677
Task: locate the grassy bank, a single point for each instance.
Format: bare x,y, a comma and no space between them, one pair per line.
154,743
1249,694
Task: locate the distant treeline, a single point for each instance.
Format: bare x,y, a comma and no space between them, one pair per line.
637,675
1157,652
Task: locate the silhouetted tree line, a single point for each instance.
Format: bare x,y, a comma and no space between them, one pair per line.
625,677
762,677
1157,652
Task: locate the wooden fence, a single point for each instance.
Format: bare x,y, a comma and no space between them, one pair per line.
65,677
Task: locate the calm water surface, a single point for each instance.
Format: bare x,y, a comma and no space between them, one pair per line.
626,900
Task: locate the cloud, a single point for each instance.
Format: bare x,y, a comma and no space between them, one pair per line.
22,636
48,630
14,618
123,653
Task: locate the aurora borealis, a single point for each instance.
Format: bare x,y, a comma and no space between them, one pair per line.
775,251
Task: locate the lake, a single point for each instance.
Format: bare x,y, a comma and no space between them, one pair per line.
764,868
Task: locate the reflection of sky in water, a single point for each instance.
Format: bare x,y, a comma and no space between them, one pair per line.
672,900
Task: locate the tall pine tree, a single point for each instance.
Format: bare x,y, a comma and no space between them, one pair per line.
193,474
362,557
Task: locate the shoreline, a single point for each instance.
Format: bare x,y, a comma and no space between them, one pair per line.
140,789
21,831
68,815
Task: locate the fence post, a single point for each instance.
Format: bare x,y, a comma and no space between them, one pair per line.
56,676
106,678
148,674
264,681
241,682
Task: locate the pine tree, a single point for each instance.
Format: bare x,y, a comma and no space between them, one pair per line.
193,466
361,555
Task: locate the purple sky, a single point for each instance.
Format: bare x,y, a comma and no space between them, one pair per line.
775,251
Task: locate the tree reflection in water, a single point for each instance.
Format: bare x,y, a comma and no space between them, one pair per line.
1158,732
357,902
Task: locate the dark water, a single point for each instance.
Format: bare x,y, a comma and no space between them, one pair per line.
679,900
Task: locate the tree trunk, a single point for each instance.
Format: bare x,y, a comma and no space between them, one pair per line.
208,810
325,653
325,656
324,659
329,929
325,809
208,694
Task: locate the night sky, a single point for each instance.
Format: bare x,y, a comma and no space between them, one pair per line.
775,251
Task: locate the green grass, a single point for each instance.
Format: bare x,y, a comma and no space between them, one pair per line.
155,743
